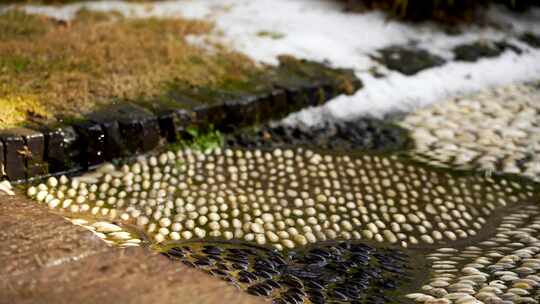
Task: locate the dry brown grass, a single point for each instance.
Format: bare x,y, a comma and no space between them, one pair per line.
100,58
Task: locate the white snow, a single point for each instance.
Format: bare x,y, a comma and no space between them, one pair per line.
320,30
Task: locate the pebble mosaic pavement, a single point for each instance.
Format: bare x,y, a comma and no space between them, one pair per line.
304,225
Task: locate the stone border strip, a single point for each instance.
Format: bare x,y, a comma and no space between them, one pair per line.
127,128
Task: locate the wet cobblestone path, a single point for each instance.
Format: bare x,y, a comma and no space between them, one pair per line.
305,225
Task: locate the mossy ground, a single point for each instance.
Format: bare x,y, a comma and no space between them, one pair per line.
68,69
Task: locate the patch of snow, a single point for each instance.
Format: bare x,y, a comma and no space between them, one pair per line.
321,30
398,93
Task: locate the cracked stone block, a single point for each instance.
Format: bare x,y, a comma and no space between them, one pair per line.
407,60
61,149
91,143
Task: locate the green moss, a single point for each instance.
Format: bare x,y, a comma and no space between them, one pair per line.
199,139
14,64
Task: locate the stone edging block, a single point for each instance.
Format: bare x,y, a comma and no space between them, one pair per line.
128,128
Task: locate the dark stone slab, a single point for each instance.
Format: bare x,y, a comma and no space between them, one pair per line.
213,115
128,129
531,39
62,149
200,107
300,92
243,111
277,103
139,127
407,60
91,143
185,119
16,153
482,49
173,113
35,143
293,85
114,142
168,123
304,96
309,83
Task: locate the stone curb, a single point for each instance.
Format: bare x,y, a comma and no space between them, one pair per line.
127,129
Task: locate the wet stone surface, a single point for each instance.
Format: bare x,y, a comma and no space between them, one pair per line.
482,49
361,134
283,220
24,153
91,142
531,39
344,272
62,149
408,60
267,220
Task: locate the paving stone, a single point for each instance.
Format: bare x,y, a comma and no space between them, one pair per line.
139,127
16,153
35,143
243,111
91,143
116,144
482,49
62,149
168,123
531,39
407,60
